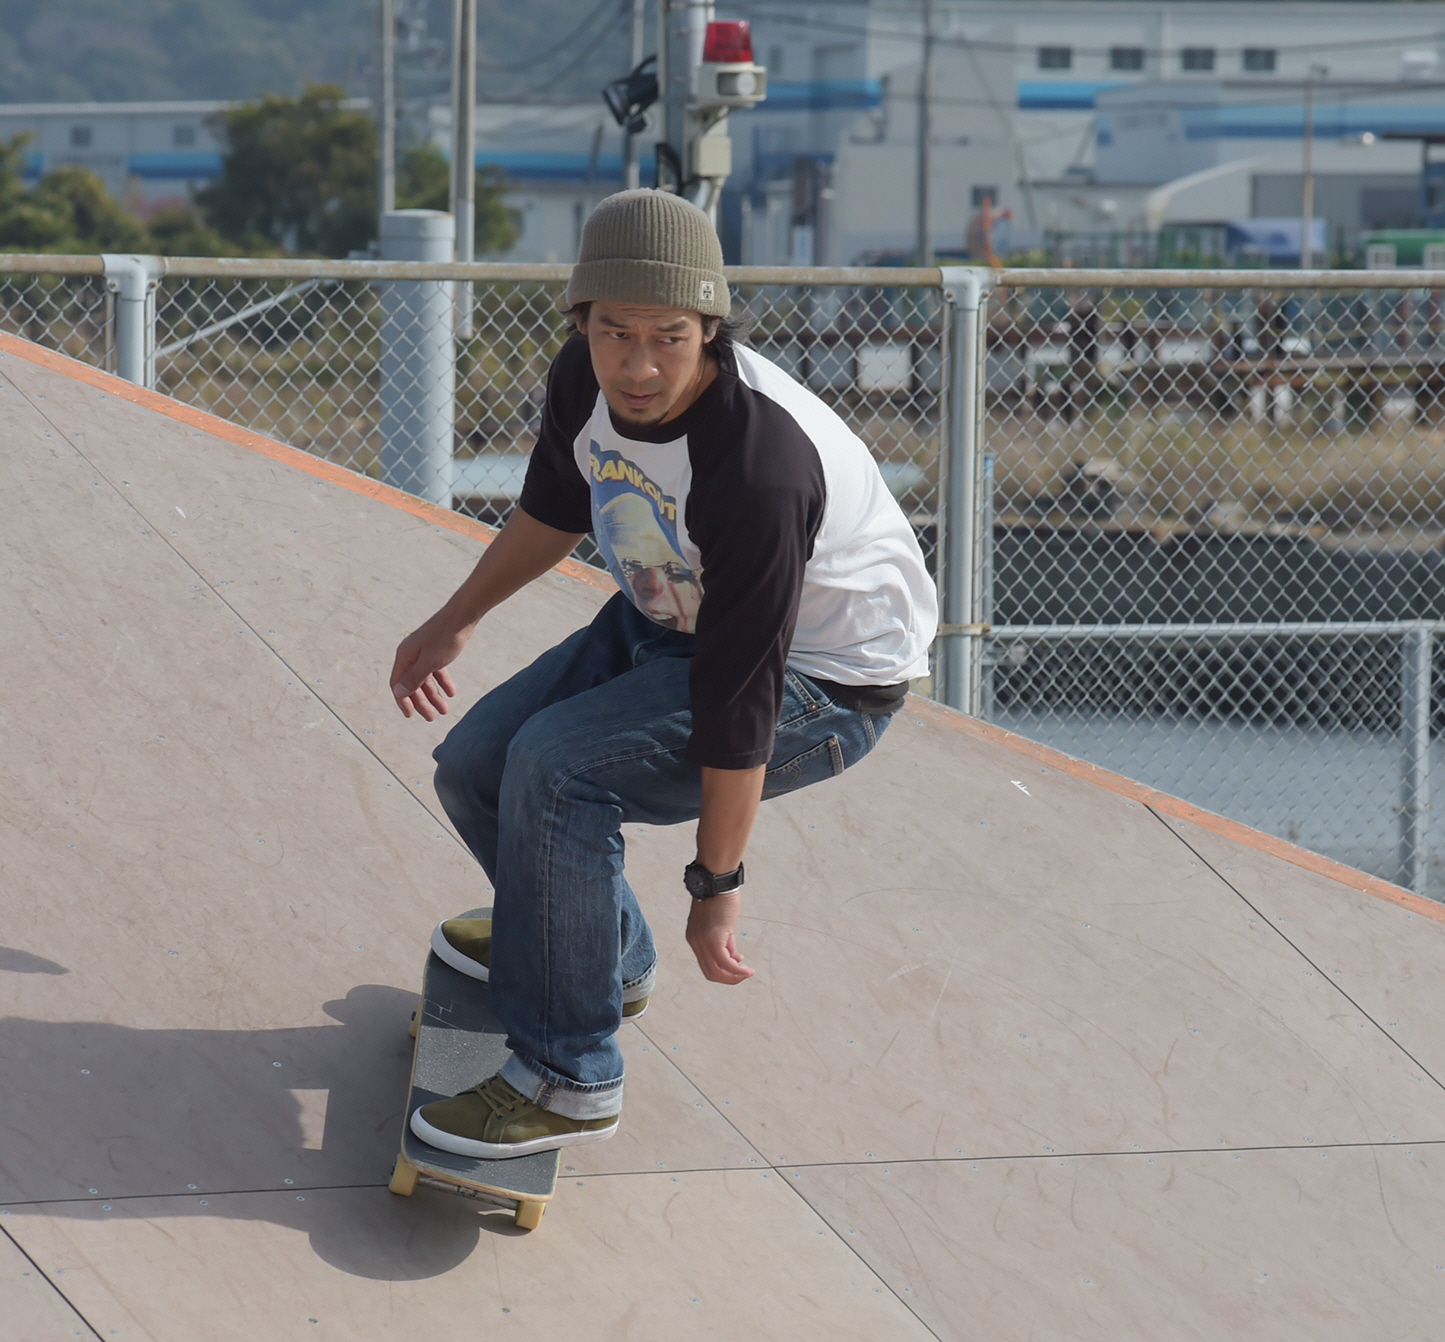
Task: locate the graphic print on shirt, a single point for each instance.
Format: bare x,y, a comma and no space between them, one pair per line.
635,524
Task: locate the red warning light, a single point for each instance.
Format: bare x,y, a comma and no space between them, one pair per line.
728,42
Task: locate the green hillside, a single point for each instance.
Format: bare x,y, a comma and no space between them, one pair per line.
119,50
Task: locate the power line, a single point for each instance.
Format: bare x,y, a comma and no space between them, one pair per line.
543,57
553,80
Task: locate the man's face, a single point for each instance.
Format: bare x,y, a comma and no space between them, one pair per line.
649,362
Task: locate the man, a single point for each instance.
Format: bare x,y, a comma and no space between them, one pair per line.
773,607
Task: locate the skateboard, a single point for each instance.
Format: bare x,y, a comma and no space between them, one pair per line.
458,1043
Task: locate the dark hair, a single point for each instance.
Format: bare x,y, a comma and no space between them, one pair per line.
731,330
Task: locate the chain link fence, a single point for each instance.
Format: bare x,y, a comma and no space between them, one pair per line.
1198,530
1218,520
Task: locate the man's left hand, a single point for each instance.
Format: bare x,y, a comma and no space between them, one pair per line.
710,925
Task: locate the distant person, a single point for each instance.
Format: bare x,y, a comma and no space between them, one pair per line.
773,607
979,236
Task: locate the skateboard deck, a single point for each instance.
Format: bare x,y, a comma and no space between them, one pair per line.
458,1043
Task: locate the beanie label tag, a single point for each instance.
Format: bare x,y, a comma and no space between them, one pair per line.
706,291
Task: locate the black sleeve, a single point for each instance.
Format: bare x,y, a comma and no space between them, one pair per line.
754,511
555,492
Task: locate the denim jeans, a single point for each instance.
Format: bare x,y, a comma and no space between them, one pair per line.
540,776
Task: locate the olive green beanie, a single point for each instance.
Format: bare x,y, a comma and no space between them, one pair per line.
651,248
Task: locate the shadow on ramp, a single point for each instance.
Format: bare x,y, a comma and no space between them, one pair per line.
13,961
247,1124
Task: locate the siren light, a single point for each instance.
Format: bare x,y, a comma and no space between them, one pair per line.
727,76
728,42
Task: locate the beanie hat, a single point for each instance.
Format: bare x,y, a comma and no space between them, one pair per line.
651,248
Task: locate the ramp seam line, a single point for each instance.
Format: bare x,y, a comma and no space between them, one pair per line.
675,1170
775,1169
199,1192
50,1281
1298,950
672,1062
260,637
867,1266
1108,1155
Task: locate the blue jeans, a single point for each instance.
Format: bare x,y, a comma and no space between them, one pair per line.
539,778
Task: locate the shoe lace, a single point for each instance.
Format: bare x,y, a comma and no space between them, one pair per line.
499,1097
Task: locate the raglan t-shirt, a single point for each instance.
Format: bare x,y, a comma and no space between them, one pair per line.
756,521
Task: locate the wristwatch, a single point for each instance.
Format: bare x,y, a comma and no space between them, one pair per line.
703,884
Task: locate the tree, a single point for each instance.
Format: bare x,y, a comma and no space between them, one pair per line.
297,173
86,214
68,210
180,231
423,182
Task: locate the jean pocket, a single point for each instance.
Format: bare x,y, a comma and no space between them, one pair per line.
800,700
824,760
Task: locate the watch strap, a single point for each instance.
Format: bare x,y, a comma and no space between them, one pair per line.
704,884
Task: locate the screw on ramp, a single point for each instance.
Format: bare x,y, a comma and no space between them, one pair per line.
1031,1051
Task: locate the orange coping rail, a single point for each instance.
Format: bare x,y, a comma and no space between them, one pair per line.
1165,804
926,709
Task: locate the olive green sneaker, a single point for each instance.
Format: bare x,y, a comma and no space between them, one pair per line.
495,1121
466,945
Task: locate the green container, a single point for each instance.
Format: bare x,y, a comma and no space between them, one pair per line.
1409,243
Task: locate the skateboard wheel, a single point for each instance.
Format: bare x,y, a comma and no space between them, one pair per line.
415,1020
403,1178
529,1215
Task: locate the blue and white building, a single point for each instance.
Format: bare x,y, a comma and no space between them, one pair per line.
147,154
1068,114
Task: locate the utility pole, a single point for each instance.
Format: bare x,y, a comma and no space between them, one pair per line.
386,111
681,25
1307,170
464,150
923,243
704,69
630,177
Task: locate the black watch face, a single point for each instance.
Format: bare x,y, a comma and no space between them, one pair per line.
702,884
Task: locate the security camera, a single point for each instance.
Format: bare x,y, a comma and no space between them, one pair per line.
629,98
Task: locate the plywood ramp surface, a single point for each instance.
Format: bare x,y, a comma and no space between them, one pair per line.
1031,1051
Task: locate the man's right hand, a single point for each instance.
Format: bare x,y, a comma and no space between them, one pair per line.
522,550
710,924
420,682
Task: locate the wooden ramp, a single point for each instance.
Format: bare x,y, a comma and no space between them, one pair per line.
1031,1052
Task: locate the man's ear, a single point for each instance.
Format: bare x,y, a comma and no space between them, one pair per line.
709,328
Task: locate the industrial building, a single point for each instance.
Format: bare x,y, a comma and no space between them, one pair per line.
1102,117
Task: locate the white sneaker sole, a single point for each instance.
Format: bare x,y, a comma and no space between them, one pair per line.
465,1146
448,954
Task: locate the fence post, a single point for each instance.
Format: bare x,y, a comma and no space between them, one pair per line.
418,362
985,582
1417,648
132,279
961,632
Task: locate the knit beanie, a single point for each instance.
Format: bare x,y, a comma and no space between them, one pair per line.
651,248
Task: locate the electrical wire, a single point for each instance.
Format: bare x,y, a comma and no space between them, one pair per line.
541,58
577,61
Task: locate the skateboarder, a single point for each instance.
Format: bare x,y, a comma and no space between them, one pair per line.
773,607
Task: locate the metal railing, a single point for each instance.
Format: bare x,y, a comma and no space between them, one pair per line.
1187,524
